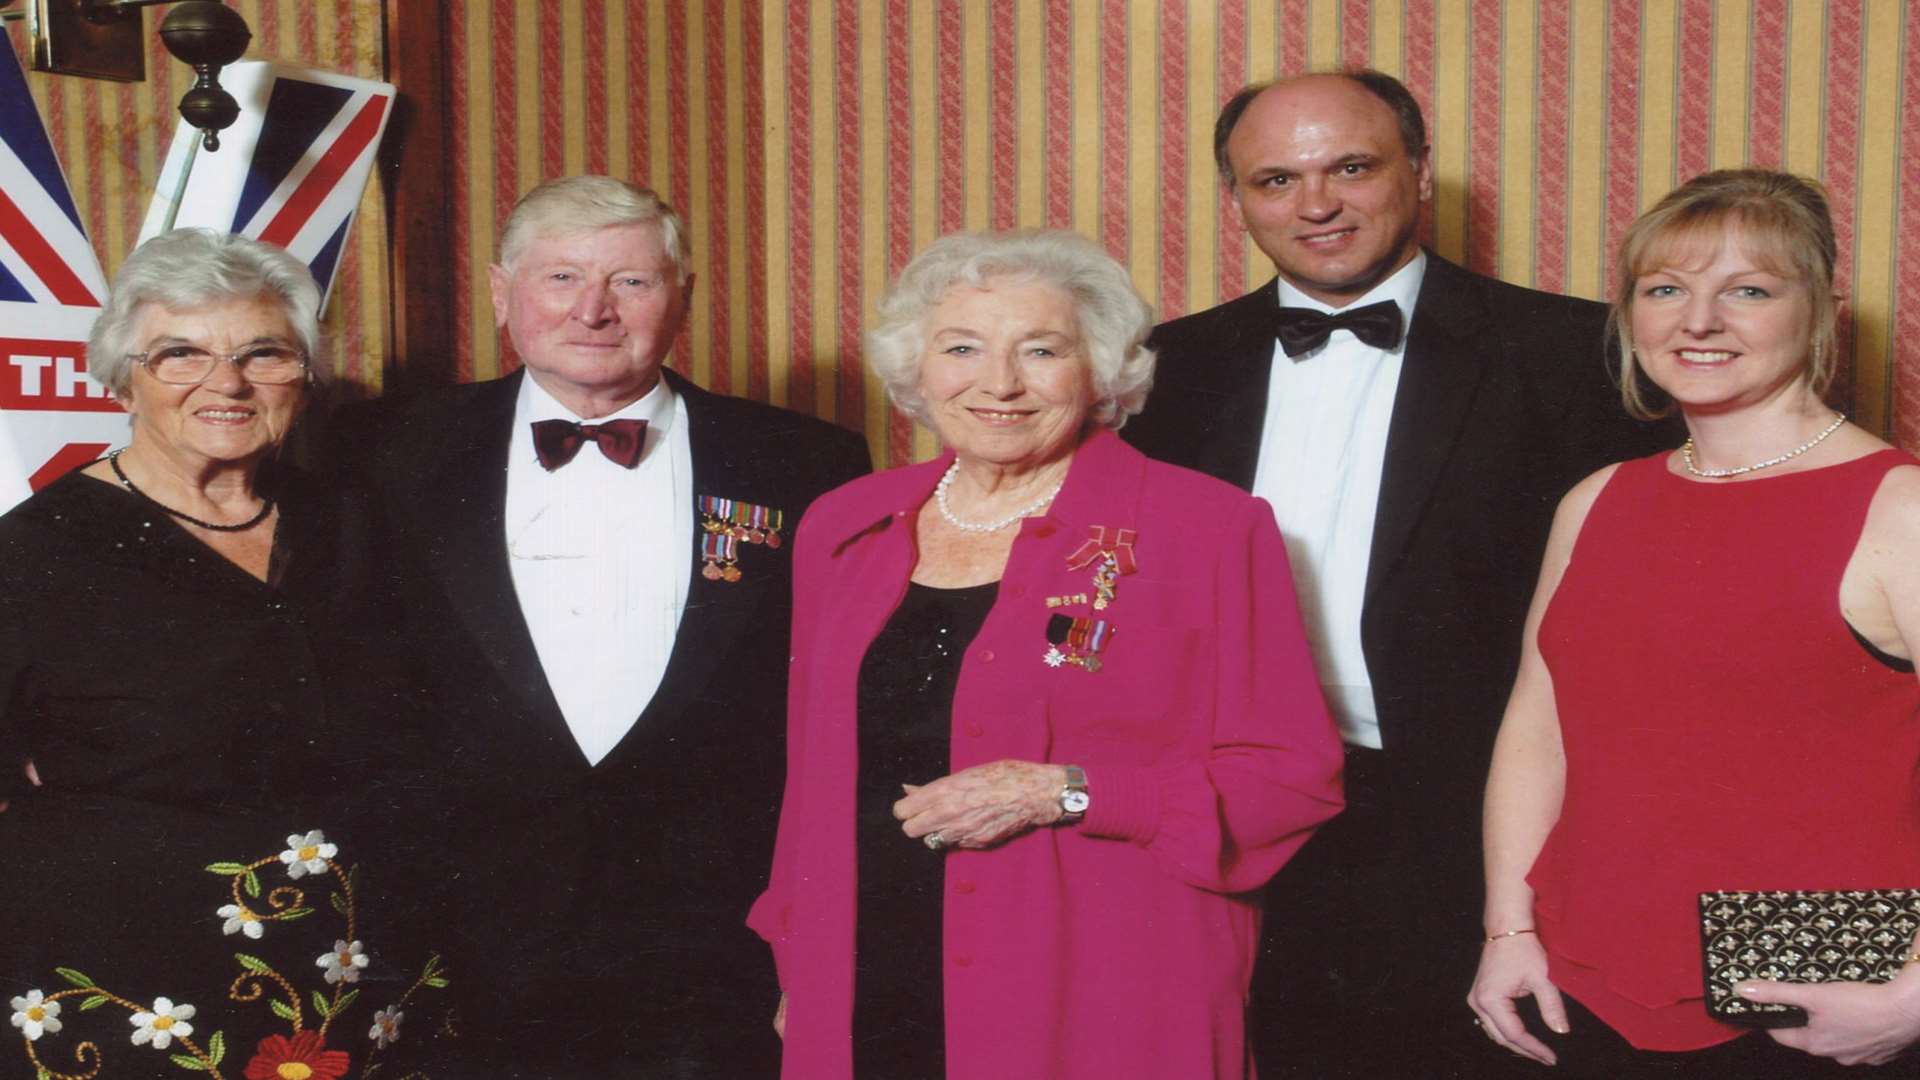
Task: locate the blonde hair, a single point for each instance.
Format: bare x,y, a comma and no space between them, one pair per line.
579,203
1789,229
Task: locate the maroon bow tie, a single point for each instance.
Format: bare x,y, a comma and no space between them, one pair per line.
557,441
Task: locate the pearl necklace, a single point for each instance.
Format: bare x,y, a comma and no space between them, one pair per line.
1686,454
940,498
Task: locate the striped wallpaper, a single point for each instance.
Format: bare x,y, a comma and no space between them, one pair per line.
814,145
112,138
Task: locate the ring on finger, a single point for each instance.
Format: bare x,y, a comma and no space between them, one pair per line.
934,841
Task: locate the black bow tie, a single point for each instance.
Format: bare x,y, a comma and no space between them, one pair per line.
1303,329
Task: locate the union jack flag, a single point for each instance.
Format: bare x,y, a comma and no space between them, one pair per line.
44,254
290,170
52,415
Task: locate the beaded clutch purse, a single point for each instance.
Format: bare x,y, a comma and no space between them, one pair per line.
1855,935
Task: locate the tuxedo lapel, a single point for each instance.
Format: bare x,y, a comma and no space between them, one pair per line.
1445,360
459,507
718,613
1227,410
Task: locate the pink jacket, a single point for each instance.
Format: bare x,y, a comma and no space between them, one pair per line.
1121,946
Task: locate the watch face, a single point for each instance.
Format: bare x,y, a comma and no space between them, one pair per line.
1074,802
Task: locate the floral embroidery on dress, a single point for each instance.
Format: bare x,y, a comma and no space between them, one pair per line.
35,1016
343,964
298,1058
386,1026
307,854
165,1025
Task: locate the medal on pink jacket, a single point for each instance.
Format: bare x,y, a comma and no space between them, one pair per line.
1078,641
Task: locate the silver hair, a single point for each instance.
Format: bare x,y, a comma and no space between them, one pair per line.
190,268
1113,320
580,203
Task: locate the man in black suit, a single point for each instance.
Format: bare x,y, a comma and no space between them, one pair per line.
592,592
1414,425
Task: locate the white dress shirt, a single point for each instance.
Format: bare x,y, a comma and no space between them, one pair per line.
1321,452
600,557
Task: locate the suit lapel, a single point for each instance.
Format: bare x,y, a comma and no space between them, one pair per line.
1445,359
460,504
1231,395
717,612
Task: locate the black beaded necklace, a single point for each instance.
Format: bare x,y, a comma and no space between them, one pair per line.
266,504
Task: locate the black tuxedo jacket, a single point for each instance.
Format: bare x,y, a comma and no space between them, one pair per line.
1505,401
594,912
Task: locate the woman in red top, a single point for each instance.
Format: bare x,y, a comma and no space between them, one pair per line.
1717,689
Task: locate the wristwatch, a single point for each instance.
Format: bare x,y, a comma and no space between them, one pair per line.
1073,798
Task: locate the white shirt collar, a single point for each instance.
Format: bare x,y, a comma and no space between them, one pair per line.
655,407
1403,288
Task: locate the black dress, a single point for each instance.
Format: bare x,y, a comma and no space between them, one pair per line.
907,682
177,709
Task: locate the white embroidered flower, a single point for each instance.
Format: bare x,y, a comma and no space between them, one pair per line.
307,854
161,1026
240,921
343,964
35,1016
386,1026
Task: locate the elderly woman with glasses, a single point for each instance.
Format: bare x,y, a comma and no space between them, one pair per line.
1052,719
163,615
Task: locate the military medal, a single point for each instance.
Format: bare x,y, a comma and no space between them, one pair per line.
1076,641
724,524
721,552
1110,553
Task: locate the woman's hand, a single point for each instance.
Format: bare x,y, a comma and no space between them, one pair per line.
984,805
1853,1023
780,1017
1512,968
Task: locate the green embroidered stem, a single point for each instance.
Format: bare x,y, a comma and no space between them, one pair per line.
88,1049
81,1053
431,974
286,902
246,987
207,1064
335,1007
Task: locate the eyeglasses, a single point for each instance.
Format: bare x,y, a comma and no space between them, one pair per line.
190,365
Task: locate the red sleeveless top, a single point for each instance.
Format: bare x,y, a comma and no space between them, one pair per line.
1723,729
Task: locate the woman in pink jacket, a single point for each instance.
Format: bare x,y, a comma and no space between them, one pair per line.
1052,717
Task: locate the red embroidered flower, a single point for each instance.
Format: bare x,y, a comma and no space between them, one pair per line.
303,1057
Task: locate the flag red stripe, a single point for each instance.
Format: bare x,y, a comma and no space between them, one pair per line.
326,174
20,234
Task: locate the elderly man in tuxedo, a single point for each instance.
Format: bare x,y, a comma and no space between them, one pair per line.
592,590
1412,424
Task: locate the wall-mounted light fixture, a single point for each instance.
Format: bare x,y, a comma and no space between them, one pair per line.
100,39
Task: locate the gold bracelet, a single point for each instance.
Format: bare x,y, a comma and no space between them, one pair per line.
1491,938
